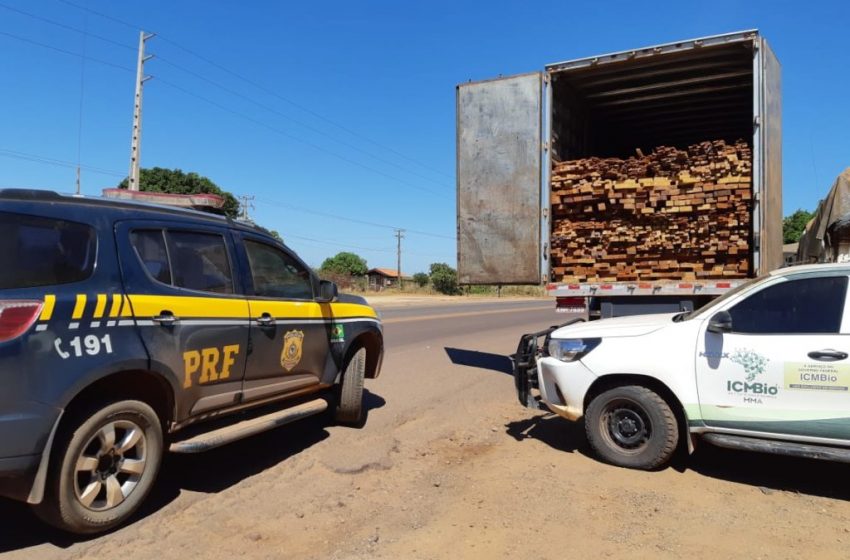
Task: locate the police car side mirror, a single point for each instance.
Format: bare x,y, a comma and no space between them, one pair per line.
720,322
327,291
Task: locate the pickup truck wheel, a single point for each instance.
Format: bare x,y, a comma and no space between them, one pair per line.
631,426
102,468
349,409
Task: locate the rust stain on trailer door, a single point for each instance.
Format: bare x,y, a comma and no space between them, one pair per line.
499,180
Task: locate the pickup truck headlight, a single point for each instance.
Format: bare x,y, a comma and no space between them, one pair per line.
572,349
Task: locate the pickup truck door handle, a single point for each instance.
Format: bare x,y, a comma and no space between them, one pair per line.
265,320
165,318
828,355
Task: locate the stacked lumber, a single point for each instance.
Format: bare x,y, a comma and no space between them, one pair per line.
670,215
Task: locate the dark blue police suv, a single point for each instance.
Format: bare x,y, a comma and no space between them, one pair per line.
128,329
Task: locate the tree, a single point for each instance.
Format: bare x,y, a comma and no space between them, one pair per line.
444,278
345,263
275,234
421,279
175,181
793,225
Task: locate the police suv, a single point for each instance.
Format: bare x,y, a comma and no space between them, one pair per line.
764,367
127,330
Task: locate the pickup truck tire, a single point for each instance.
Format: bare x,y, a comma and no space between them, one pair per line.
632,426
349,409
102,467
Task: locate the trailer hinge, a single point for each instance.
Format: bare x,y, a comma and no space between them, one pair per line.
545,214
545,146
756,121
757,196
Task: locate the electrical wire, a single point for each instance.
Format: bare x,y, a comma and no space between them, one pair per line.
64,51
230,91
352,220
65,26
57,162
300,123
264,89
295,138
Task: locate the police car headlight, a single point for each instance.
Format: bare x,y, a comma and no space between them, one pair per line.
572,349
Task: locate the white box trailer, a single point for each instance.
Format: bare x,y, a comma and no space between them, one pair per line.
511,129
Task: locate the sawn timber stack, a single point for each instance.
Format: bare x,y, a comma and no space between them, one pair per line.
670,215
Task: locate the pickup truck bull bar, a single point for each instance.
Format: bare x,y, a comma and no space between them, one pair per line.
525,363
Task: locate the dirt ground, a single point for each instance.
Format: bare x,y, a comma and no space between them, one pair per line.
450,466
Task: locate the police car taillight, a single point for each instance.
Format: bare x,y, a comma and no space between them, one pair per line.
16,317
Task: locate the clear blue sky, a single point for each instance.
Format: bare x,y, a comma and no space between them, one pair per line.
385,71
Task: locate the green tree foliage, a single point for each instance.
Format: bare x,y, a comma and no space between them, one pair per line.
444,278
793,225
276,235
175,181
421,279
345,263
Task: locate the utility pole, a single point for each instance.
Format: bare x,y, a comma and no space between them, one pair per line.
399,233
245,203
135,144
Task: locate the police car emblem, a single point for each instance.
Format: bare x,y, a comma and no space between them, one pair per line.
291,353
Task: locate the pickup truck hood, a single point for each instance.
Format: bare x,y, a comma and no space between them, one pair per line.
635,325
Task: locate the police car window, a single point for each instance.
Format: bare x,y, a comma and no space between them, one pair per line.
150,248
276,274
44,251
199,262
807,306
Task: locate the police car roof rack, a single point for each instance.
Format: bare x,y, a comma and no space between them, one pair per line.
199,201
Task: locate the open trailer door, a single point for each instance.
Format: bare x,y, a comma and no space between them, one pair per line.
499,156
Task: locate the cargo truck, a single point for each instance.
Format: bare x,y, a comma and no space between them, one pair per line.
513,131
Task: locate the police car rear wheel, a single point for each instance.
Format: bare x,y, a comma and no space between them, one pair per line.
632,426
349,409
104,468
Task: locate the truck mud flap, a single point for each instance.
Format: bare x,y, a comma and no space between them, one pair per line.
525,363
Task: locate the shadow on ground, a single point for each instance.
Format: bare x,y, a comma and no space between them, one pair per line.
552,430
769,473
484,360
210,472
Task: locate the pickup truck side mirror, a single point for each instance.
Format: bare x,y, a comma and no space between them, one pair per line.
327,291
720,322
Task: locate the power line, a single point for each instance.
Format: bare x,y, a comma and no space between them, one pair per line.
264,89
223,88
295,138
64,51
222,107
65,26
297,121
57,162
105,16
352,220
231,111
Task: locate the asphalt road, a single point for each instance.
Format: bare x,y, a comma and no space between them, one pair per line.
450,466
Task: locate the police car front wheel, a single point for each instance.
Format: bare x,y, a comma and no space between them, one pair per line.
349,409
103,467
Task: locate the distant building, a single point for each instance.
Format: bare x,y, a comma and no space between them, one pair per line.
789,253
380,278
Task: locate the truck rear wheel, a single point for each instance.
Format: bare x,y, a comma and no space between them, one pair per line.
631,426
349,409
103,468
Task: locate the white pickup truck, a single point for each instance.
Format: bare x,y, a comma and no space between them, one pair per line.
764,368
